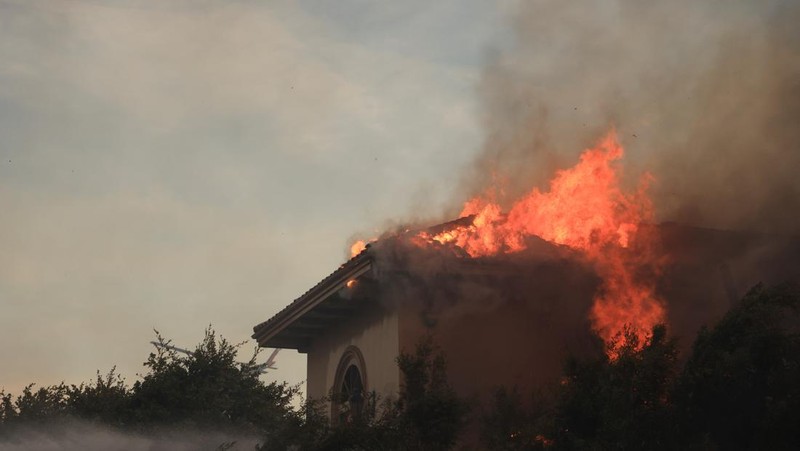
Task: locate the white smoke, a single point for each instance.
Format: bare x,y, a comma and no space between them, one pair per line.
81,435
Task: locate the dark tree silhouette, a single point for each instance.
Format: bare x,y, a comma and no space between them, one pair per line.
740,388
206,389
427,415
619,403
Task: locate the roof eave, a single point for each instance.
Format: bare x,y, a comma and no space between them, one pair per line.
269,333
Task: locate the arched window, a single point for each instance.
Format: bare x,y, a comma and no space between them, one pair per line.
349,388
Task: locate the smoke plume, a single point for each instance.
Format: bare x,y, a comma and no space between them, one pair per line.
704,95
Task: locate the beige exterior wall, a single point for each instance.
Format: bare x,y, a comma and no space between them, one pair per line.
375,333
518,343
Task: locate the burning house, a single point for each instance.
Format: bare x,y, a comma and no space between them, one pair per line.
354,323
509,293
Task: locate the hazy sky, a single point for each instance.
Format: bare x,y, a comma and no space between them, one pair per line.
170,164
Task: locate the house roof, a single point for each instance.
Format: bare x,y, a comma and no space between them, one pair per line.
340,295
325,304
331,301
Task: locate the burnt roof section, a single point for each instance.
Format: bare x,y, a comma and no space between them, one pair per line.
326,303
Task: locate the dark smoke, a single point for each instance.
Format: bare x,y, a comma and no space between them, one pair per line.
504,320
704,94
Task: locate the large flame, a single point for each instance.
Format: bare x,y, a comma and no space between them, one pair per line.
585,209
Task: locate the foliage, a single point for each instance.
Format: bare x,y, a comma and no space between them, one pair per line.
510,424
106,400
427,415
307,428
431,412
207,388
34,405
741,386
739,389
620,403
378,427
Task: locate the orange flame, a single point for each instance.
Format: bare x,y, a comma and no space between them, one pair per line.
357,247
585,209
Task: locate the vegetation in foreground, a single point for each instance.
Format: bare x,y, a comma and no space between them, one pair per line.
739,388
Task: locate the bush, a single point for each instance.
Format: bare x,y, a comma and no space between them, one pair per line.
739,389
741,385
207,389
428,415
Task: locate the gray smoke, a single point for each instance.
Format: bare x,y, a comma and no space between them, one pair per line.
703,94
81,435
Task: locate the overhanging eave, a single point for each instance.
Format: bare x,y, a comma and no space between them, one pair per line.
329,302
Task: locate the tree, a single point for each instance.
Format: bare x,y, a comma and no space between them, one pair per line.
207,388
511,424
107,400
740,387
432,414
34,405
427,415
621,402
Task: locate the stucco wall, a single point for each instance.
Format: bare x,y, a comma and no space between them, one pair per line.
375,333
516,343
